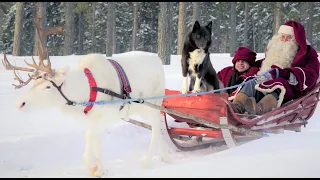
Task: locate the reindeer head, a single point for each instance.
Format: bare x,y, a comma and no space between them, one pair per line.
43,76
42,91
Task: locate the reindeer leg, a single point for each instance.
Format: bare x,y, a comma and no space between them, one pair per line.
93,142
153,116
88,154
97,151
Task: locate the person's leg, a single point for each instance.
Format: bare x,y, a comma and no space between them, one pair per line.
249,89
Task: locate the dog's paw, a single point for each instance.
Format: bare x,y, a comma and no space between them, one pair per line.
196,90
184,91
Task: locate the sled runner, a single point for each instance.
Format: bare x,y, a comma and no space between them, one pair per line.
216,109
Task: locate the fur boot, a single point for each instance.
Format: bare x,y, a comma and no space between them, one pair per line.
266,104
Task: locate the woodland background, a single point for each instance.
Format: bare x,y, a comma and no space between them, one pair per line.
158,27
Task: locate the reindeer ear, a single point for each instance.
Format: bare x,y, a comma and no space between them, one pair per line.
64,70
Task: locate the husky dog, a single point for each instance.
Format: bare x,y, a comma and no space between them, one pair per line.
195,60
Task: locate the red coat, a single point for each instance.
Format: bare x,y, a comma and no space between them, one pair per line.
305,68
225,74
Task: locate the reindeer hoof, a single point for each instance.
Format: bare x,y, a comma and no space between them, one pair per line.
146,162
93,170
165,159
97,172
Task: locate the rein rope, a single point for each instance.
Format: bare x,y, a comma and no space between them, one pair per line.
59,89
141,100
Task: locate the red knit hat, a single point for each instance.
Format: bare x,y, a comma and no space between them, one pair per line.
245,54
296,29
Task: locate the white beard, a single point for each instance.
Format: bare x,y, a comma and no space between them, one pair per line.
279,53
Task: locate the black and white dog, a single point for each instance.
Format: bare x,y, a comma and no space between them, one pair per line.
195,61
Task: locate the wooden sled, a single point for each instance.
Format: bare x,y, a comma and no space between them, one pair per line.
215,108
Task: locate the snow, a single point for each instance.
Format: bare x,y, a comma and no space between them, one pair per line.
48,144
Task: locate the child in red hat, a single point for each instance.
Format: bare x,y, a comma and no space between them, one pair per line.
243,60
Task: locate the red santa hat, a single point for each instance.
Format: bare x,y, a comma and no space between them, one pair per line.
245,54
296,29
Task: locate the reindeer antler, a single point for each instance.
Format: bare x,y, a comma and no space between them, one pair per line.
41,65
8,66
22,83
43,32
43,50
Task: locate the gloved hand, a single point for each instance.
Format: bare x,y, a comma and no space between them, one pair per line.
283,73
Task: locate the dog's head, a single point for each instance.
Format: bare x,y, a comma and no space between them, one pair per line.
201,35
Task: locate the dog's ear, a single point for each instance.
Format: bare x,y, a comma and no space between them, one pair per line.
209,25
196,26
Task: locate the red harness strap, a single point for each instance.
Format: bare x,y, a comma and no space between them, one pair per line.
124,83
93,94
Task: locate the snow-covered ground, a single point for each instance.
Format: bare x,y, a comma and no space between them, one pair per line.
48,144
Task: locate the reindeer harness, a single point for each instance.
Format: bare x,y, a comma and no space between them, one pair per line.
124,87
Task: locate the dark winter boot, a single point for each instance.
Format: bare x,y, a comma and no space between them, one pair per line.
238,104
250,105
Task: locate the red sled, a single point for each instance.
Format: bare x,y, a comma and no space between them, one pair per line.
215,108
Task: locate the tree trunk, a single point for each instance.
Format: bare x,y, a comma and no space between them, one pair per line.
246,16
233,23
135,25
80,32
181,26
93,35
114,33
2,15
304,13
18,29
68,40
196,13
110,24
164,34
42,14
310,22
277,15
253,39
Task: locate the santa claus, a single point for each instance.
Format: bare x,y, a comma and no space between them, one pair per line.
295,71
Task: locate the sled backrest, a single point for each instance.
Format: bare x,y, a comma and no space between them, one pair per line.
208,106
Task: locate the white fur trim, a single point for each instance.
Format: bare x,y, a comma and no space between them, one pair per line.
230,98
281,95
286,29
308,43
293,80
304,79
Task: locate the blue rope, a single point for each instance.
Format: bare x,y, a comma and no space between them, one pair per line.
175,95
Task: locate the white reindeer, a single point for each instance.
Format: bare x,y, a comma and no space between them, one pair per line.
146,76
